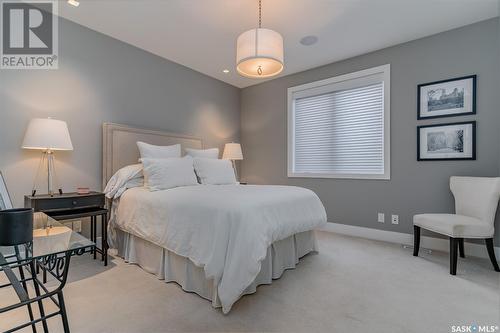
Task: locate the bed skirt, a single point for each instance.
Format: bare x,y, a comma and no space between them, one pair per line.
168,266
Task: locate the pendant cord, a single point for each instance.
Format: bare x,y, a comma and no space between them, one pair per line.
260,14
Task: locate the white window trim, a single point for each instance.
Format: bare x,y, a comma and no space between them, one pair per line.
385,70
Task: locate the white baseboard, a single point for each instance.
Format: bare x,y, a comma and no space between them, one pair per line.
437,244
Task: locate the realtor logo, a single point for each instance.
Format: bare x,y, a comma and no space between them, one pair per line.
29,35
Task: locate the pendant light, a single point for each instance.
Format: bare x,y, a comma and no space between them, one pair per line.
259,52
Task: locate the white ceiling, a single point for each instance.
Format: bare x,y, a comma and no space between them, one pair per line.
201,34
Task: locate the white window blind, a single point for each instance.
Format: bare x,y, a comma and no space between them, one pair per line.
338,127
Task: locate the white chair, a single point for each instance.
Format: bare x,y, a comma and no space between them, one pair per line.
476,200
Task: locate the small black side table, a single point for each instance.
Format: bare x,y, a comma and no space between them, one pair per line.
68,206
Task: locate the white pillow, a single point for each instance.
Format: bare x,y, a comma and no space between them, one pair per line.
152,151
203,153
214,172
127,177
165,173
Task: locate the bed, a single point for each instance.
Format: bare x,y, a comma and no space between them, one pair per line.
218,241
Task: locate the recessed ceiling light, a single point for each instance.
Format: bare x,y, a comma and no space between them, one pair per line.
309,40
225,71
74,3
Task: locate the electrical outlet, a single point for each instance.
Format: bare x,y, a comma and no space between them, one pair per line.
395,219
381,217
77,226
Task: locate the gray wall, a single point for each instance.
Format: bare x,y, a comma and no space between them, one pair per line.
101,79
414,187
498,87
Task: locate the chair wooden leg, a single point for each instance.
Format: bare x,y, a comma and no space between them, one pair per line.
491,253
461,250
416,240
453,255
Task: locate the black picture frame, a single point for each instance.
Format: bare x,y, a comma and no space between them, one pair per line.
473,93
473,155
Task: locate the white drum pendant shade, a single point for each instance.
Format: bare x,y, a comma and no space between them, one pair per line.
259,53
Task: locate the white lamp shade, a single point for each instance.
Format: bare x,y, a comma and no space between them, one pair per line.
259,53
47,134
232,151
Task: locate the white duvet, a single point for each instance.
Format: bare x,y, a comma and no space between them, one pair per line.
226,229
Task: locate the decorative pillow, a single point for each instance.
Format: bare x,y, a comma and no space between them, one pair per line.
152,151
203,153
214,172
165,173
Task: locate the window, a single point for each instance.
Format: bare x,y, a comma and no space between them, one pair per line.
339,127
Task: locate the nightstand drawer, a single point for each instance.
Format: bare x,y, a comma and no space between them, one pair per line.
64,202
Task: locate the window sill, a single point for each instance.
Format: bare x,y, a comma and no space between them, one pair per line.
340,176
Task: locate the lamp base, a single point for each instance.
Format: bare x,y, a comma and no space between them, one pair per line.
33,192
47,161
235,169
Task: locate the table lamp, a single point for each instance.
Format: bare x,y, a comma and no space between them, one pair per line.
47,135
232,151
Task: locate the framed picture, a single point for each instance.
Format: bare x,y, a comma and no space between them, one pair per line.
448,98
5,202
455,141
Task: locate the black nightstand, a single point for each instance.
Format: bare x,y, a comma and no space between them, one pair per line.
68,206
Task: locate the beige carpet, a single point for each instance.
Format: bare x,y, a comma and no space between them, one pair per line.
352,285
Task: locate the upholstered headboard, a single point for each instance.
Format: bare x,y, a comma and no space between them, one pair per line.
119,146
